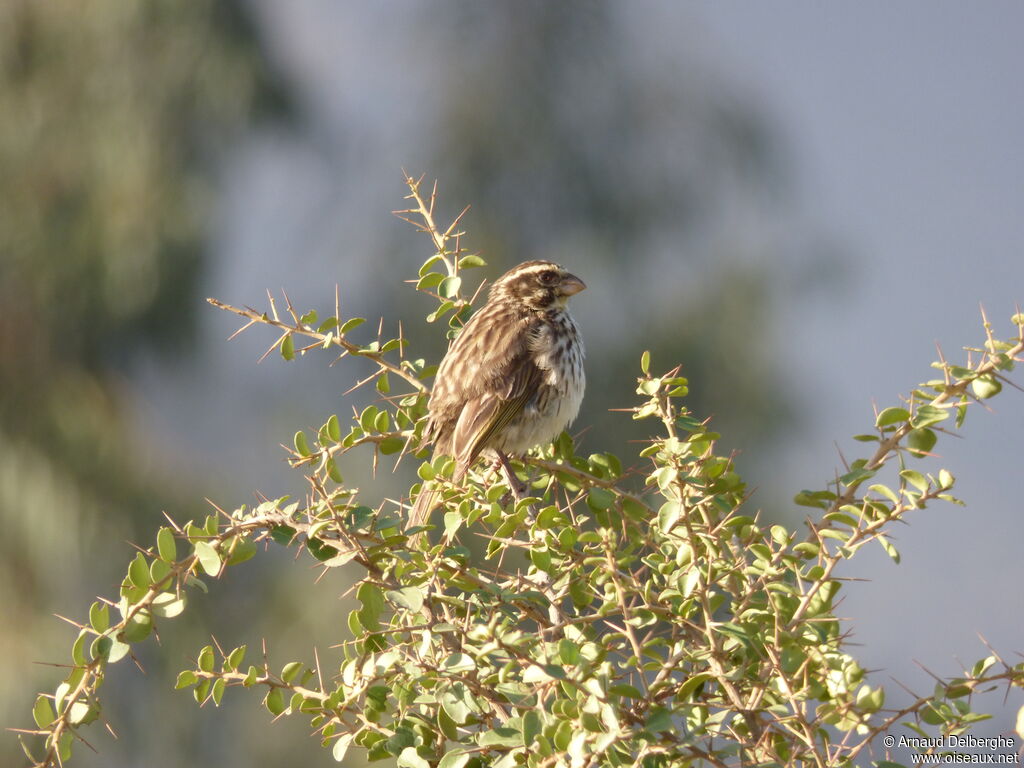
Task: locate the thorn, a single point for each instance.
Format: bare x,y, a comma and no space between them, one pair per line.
243,328
273,306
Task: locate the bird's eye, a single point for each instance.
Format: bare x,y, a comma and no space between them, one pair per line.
548,276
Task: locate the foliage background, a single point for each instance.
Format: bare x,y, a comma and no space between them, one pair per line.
794,202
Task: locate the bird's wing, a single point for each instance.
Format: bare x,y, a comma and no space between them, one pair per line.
476,365
487,414
477,404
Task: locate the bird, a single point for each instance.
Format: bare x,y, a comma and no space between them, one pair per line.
512,379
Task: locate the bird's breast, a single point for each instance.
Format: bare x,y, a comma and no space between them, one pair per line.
557,350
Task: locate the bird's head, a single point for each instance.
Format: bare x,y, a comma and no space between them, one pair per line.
540,285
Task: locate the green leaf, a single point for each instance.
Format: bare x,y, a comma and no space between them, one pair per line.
301,444
456,704
471,260
818,499
926,415
457,758
410,758
43,712
167,605
217,693
499,737
822,601
890,550
242,551
354,625
410,598
274,701
780,535
600,499
807,549
83,712
186,679
449,288
448,726
648,387
251,677
891,416
159,570
692,684
916,479
78,648
668,515
366,418
283,534
429,263
659,719
542,673
291,671
333,472
138,572
459,662
645,362
341,745
429,280
568,652
205,659
351,324
372,599
321,550
532,725
208,557
165,544
64,746
138,627
99,617
202,691
871,699
444,308
931,715
856,476
887,492
986,386
106,647
921,441
390,445
334,428
288,348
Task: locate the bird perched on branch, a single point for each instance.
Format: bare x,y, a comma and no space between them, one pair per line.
513,378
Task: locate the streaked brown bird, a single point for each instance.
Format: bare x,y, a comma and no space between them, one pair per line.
513,378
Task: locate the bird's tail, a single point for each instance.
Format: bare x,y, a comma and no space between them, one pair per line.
428,500
425,504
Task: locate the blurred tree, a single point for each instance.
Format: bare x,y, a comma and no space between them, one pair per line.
113,116
574,138
581,138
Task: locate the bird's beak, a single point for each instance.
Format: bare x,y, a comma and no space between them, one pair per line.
571,285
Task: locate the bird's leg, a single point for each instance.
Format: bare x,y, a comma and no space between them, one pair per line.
517,487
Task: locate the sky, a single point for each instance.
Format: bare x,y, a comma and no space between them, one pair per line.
905,123
902,123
